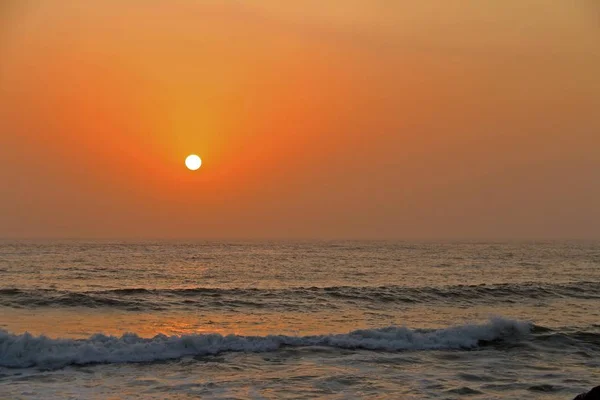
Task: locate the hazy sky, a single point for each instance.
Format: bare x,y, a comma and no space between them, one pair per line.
314,119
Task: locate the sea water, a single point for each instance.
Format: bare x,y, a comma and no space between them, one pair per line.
266,320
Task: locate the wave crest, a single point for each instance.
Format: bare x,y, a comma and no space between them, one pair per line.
26,350
135,299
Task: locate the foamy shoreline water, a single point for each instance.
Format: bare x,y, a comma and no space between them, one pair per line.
24,351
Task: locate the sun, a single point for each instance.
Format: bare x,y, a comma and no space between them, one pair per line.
193,162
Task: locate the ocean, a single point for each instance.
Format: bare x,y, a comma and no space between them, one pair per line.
298,320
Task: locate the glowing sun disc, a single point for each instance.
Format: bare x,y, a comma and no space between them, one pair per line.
193,162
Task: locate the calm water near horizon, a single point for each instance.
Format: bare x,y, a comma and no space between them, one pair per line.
266,320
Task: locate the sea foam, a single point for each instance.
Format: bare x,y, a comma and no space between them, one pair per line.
26,350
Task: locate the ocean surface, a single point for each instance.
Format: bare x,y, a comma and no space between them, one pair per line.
298,320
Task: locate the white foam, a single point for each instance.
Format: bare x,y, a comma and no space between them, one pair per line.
23,351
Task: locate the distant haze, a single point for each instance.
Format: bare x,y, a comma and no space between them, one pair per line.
366,119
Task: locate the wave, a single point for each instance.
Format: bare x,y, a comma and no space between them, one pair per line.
48,297
26,351
297,298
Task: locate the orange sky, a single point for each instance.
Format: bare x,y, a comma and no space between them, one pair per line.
314,119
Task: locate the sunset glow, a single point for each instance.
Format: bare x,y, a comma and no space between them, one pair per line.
329,199
460,114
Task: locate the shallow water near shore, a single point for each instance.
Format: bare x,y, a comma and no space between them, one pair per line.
181,320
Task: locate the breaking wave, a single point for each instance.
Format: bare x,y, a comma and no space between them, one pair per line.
25,351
